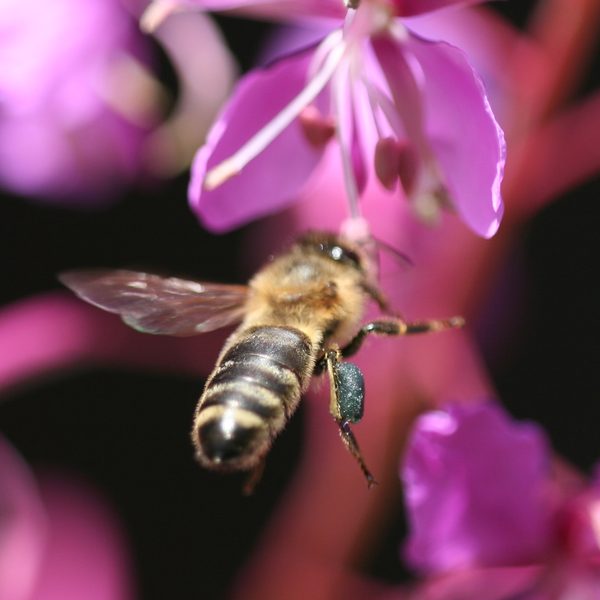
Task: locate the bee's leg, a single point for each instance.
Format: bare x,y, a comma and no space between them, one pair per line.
352,445
343,410
253,478
398,327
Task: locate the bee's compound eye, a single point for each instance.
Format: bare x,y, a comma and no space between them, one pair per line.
229,442
351,391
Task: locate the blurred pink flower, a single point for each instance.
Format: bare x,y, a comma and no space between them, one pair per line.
78,98
60,131
480,494
410,112
474,487
57,540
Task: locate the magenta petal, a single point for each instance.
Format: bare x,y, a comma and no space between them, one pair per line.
274,178
466,139
279,10
86,554
475,490
22,526
407,8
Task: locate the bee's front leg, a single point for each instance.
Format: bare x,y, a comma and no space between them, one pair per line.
346,403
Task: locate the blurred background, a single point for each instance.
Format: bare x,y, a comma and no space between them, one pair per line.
124,431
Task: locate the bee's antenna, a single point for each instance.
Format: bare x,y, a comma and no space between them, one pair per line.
357,230
393,251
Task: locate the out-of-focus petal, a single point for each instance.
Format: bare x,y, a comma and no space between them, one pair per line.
56,332
86,554
69,129
482,584
466,139
475,490
278,10
199,54
407,8
22,527
276,176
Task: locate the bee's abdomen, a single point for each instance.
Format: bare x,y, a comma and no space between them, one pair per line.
254,389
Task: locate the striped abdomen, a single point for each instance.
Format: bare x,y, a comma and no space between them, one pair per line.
253,390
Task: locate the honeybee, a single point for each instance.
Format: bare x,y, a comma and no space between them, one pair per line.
300,316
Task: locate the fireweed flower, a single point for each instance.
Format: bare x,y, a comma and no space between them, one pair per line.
78,99
409,111
62,133
480,494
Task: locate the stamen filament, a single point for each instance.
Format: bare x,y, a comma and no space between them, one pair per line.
375,108
323,50
378,98
345,143
255,145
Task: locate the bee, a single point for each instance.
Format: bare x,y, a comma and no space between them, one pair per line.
300,316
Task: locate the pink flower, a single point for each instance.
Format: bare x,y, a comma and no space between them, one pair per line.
480,495
78,99
57,540
406,111
61,134
474,483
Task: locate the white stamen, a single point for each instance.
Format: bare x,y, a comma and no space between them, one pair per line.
339,91
398,31
157,11
375,108
323,50
255,145
378,98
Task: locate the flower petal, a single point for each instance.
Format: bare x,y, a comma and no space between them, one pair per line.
272,179
407,8
466,139
22,526
86,554
475,483
277,10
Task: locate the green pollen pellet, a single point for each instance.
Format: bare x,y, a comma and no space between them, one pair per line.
351,392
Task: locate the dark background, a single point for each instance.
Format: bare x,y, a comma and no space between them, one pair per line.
126,432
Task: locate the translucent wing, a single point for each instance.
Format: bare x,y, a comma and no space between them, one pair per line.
162,305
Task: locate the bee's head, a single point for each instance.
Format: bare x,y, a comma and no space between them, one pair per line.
335,248
358,253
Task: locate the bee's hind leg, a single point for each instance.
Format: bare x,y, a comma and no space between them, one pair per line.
346,404
253,478
352,445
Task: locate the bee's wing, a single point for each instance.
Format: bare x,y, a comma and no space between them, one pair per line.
162,305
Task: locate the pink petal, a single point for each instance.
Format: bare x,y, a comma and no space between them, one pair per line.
407,8
86,555
278,10
475,484
61,136
206,73
463,133
56,332
275,177
22,526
